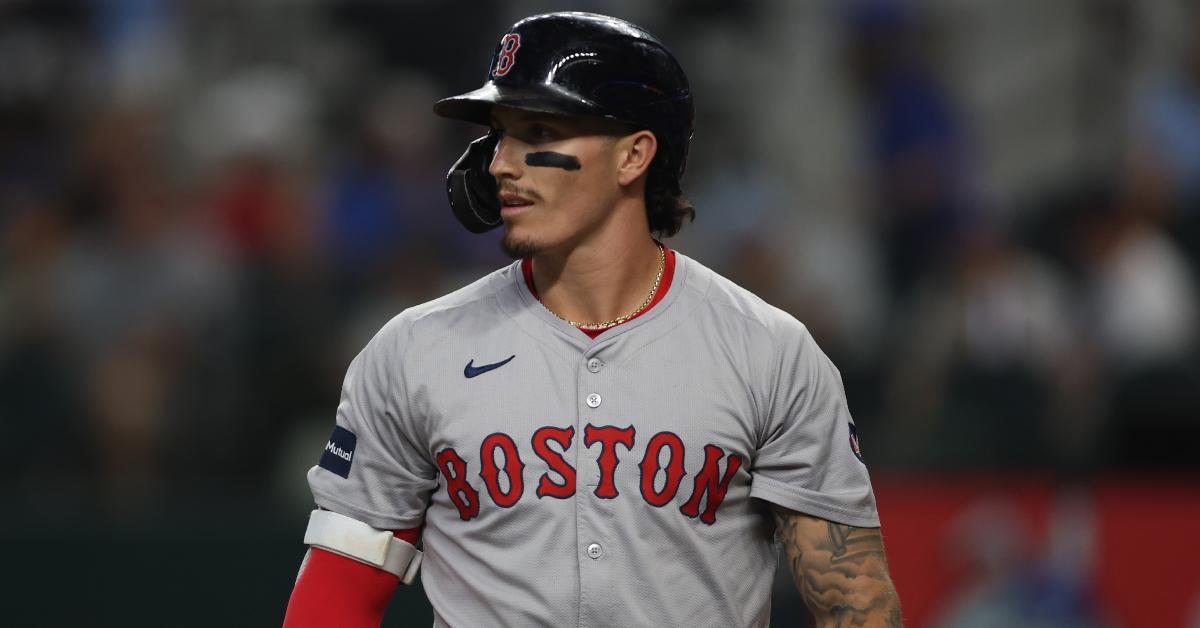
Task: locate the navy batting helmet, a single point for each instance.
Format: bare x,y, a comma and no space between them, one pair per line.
579,64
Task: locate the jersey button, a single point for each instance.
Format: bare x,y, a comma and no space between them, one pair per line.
594,550
593,400
594,365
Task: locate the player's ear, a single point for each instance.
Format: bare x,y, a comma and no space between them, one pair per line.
634,153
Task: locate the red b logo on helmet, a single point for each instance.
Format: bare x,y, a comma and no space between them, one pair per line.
504,58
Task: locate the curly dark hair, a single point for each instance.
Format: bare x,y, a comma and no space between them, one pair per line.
666,207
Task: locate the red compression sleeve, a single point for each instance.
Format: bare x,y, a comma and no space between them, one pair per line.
333,590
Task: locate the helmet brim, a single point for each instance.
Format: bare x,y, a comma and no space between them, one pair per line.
476,106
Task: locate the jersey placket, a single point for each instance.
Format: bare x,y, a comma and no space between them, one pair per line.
595,544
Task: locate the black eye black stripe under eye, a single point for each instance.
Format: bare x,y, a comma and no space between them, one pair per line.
551,159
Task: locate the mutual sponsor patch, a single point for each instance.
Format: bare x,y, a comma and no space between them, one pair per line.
854,444
339,451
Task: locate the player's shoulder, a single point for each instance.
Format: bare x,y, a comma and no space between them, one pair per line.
473,302
742,309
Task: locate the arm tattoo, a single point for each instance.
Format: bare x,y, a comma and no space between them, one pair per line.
841,571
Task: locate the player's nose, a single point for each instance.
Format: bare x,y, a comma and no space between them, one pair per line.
506,160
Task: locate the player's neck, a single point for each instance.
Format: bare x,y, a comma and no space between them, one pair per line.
606,275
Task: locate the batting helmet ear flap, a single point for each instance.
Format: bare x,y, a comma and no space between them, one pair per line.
472,189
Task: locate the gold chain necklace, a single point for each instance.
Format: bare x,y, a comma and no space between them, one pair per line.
662,265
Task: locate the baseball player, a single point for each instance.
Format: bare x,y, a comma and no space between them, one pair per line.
604,432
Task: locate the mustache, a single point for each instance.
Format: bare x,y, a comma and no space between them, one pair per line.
504,186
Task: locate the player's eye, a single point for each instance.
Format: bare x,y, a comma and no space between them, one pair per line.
496,127
536,133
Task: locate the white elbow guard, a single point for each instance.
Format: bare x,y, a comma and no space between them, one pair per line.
354,539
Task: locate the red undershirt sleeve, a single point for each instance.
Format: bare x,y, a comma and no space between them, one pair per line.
333,590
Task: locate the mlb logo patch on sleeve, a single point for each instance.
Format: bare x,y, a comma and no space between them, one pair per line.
854,446
339,451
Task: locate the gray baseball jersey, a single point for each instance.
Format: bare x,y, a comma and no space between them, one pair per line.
568,481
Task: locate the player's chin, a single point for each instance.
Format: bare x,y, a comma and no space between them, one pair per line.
517,245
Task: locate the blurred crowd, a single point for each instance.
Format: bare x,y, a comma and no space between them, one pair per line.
207,208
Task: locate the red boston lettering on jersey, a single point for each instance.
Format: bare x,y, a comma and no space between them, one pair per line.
706,482
506,56
554,460
610,437
465,498
650,468
498,454
512,468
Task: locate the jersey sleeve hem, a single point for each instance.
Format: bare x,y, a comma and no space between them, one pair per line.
374,519
811,503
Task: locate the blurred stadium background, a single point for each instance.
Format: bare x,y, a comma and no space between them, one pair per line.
987,211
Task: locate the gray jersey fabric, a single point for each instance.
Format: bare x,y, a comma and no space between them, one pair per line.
609,482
